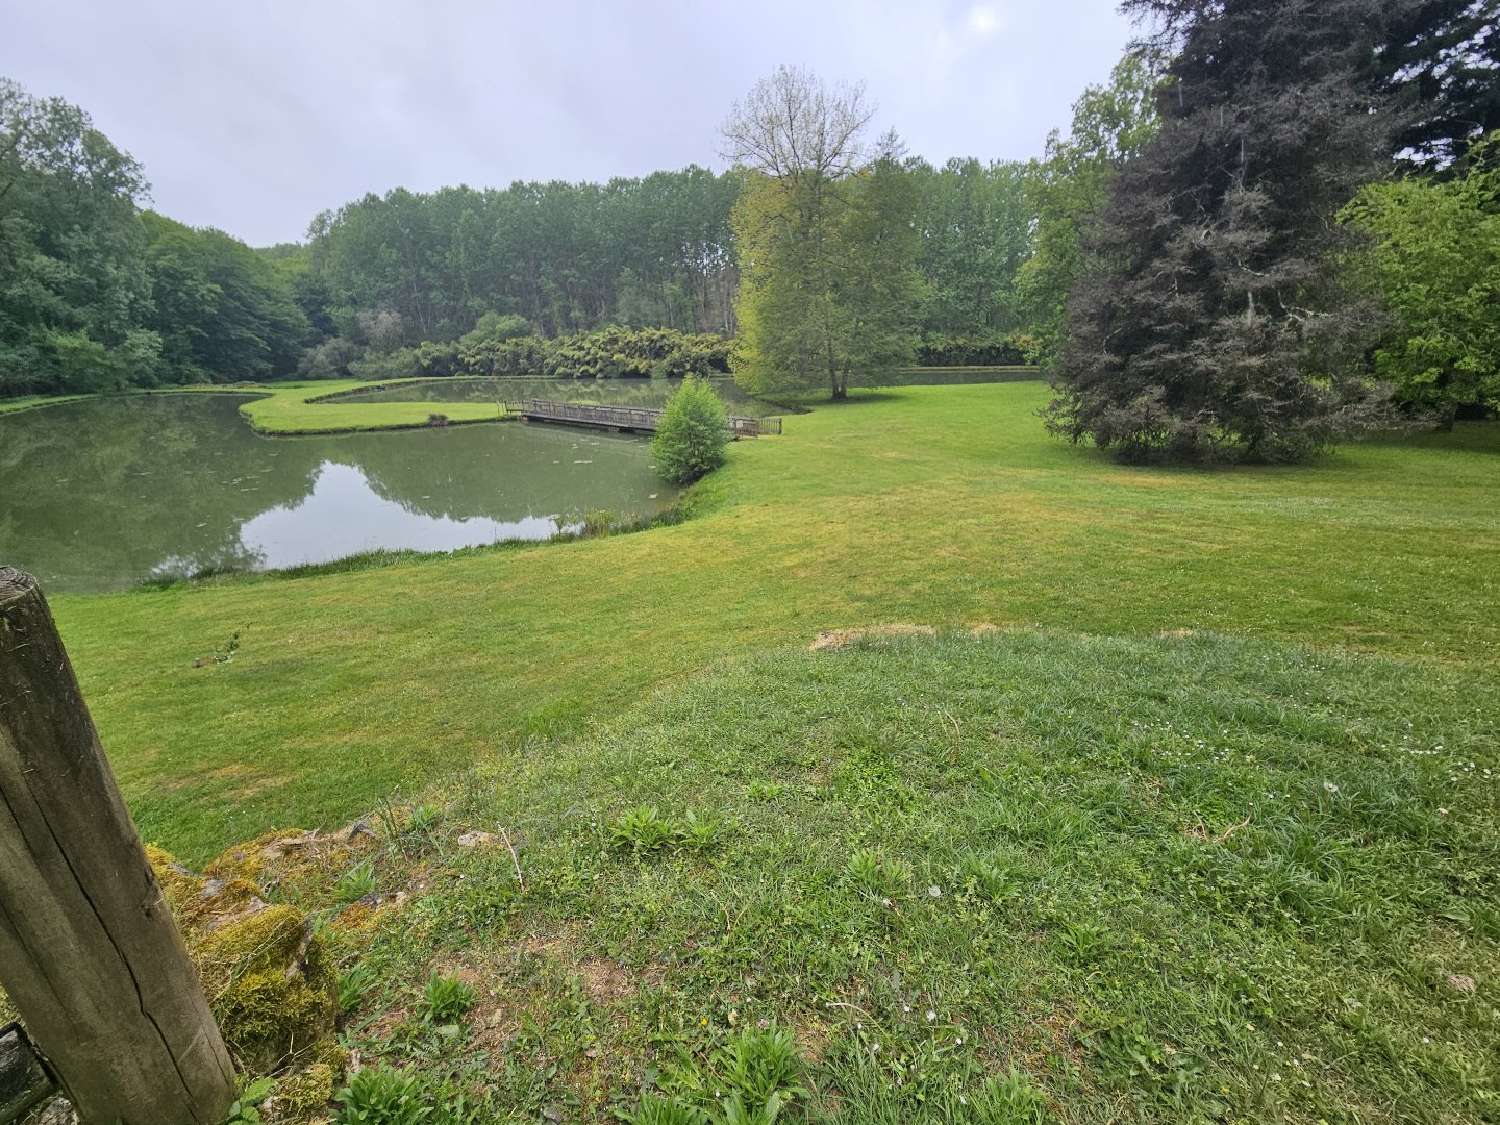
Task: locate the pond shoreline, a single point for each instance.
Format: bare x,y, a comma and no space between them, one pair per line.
105,494
277,409
383,558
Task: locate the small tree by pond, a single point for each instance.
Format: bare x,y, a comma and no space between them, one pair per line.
692,434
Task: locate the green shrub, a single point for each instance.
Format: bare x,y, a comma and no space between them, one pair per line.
692,434
506,346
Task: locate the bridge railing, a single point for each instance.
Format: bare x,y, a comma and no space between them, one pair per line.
632,417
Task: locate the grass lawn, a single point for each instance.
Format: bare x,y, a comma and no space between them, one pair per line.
292,408
944,505
1200,825
1009,878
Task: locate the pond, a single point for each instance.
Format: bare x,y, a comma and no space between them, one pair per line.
102,494
626,392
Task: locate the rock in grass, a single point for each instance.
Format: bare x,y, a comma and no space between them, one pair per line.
23,1083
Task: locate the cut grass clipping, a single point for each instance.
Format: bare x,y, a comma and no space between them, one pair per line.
1009,878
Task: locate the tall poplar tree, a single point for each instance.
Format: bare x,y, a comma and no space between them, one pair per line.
826,235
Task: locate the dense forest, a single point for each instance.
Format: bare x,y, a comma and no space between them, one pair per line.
100,292
1257,237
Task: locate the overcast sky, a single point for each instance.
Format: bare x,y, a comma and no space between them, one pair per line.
254,116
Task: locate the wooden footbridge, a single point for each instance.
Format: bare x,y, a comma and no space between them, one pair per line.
628,418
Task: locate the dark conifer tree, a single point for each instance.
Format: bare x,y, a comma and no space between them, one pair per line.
1209,322
1440,63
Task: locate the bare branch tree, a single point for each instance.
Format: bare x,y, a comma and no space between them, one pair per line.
794,125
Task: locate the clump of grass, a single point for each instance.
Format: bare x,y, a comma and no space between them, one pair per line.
354,984
446,999
600,522
989,877
356,883
644,830
1011,1098
874,874
763,1071
1083,942
760,1074
423,819
380,1095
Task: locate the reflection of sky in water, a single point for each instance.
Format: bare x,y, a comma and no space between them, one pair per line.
344,516
97,495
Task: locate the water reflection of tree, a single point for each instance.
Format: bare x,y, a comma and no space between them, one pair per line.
504,472
98,494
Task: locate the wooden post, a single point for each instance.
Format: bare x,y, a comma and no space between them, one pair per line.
88,949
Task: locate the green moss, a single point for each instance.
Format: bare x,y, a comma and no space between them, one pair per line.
271,987
270,938
269,983
245,861
266,1015
179,884
305,1096
266,977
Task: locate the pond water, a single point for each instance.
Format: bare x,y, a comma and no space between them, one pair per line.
627,392
99,495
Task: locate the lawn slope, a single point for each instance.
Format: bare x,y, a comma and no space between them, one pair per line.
1005,878
942,505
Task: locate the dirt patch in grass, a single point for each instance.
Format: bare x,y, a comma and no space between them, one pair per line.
835,639
812,1035
606,982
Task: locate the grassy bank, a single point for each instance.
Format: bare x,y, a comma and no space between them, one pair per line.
977,373
1009,878
933,504
297,408
34,402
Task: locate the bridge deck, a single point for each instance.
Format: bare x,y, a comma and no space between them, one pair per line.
628,417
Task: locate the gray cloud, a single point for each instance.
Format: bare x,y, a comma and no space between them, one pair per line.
253,117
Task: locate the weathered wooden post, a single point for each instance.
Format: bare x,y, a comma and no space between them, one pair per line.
88,949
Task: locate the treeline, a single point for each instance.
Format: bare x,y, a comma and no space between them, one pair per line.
506,345
565,257
96,293
407,269
1276,222
100,293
